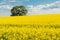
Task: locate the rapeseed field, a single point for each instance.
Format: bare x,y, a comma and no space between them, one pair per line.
39,27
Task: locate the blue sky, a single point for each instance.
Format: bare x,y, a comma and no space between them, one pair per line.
33,6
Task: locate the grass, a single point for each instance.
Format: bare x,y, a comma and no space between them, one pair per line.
40,27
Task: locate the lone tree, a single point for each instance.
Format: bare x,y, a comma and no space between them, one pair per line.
18,11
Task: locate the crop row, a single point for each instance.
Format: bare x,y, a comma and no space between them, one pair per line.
30,25
29,36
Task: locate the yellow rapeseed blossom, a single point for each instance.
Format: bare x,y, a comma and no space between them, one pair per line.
40,27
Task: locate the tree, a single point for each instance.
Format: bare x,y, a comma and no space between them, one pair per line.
18,11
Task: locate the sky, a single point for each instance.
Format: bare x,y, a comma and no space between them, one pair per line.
33,6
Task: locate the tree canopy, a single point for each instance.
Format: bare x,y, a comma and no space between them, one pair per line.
18,11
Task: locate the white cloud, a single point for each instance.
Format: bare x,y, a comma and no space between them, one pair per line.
47,8
15,0
10,0
5,7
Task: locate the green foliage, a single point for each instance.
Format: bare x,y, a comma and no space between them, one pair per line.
18,11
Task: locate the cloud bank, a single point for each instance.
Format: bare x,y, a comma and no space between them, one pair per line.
45,9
